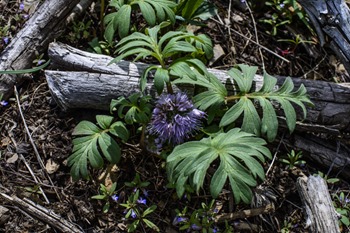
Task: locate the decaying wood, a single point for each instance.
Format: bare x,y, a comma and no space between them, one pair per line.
320,213
46,24
87,81
245,213
332,155
45,215
331,19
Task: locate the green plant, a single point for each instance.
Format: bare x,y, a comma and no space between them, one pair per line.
298,40
293,159
189,11
237,152
137,182
202,219
153,11
92,140
134,209
326,178
178,48
342,206
105,195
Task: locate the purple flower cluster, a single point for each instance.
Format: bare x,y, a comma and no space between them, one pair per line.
174,119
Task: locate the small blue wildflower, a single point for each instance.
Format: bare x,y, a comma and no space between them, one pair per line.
145,192
215,230
21,6
134,190
179,219
4,103
196,227
174,119
6,40
25,16
133,214
347,200
115,197
142,201
282,5
216,210
40,62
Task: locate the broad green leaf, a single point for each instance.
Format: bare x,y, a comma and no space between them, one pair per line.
267,97
109,148
148,13
118,129
88,148
124,15
104,121
160,77
85,128
237,151
190,7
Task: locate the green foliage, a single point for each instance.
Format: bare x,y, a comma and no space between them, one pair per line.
326,178
180,49
342,206
137,182
293,159
237,152
190,10
266,97
104,195
153,11
202,218
93,140
137,107
136,212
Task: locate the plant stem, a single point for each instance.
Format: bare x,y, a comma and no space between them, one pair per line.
169,88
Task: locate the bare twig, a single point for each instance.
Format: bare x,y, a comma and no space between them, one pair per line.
263,47
40,161
256,34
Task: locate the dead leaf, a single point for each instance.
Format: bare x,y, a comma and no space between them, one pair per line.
13,158
5,141
218,53
51,166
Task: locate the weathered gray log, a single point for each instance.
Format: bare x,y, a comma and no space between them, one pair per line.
45,25
332,19
320,213
87,81
40,212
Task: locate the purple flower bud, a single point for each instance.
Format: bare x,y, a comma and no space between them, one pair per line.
133,214
196,227
6,40
174,119
40,62
141,201
145,192
115,197
180,219
4,103
21,6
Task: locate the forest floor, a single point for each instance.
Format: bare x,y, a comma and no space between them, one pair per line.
51,131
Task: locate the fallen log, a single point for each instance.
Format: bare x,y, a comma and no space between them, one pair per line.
45,25
320,213
331,20
85,80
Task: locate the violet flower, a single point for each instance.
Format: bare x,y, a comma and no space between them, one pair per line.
142,201
133,214
115,197
174,119
21,6
6,40
3,103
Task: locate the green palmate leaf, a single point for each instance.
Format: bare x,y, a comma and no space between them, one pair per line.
266,97
239,155
92,141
